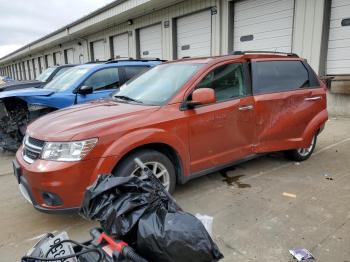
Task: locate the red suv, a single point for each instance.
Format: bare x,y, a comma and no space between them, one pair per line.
184,119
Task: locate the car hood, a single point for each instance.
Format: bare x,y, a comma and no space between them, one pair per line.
26,92
88,120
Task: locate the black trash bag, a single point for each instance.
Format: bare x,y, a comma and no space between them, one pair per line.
119,202
165,236
140,213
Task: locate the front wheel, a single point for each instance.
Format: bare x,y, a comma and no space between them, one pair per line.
301,154
159,163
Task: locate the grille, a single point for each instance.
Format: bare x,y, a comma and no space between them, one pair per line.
32,149
31,154
35,142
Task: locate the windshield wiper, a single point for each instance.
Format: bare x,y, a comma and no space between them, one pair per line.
126,98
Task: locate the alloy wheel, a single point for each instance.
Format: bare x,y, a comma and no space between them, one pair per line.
159,170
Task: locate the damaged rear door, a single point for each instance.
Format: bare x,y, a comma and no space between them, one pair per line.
286,100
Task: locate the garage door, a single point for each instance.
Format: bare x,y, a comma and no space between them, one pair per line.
193,35
49,60
57,58
338,58
98,50
36,64
263,25
151,42
30,69
69,56
120,45
25,70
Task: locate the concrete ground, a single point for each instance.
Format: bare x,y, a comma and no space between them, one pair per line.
270,206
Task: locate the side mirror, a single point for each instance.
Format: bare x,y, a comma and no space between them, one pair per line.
85,90
202,96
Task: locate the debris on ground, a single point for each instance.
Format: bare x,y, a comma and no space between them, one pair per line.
207,221
297,163
233,180
301,254
289,195
328,177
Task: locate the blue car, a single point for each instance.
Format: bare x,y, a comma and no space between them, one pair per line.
77,85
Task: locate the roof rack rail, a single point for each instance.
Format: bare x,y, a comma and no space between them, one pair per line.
134,60
262,52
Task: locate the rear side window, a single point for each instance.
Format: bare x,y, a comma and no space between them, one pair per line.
61,71
132,71
103,79
279,76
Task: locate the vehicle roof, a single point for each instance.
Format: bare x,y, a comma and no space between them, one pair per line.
248,56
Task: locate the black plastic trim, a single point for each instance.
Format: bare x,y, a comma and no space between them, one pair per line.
217,168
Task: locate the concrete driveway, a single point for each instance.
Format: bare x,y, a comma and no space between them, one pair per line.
261,208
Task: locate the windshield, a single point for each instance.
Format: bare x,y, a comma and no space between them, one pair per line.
159,84
45,75
66,80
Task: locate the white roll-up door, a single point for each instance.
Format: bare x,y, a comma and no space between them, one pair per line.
25,70
57,58
338,57
98,50
49,60
193,34
151,41
30,69
265,25
41,63
120,45
69,56
36,64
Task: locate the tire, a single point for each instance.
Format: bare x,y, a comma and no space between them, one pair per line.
302,154
150,158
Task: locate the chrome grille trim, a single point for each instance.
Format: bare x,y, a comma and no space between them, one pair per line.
31,152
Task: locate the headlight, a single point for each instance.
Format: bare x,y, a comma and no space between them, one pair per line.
68,151
34,107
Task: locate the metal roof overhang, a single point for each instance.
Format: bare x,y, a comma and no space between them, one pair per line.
114,13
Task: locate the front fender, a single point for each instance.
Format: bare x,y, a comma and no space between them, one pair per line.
138,138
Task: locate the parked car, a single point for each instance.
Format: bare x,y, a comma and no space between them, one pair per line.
4,80
45,77
78,85
184,119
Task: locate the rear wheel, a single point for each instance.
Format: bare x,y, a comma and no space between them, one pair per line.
159,163
301,154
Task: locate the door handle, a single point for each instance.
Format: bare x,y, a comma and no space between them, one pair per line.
246,107
313,98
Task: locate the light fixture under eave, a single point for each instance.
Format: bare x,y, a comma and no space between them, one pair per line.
130,22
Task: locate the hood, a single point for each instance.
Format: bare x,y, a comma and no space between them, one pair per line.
26,92
28,83
87,120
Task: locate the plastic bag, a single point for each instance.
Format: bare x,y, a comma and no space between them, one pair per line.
207,222
140,213
119,202
178,236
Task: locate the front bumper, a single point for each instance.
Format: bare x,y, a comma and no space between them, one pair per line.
67,180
